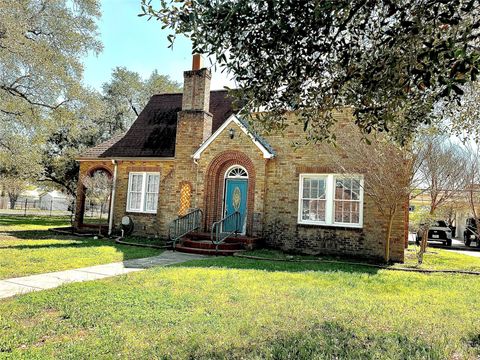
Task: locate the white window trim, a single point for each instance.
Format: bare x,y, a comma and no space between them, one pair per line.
143,192
267,154
235,177
330,200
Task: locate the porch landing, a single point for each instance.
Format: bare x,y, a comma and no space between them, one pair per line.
200,243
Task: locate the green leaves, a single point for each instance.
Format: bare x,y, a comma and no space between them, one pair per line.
390,61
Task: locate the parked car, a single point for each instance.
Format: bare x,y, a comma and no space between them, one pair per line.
439,231
470,233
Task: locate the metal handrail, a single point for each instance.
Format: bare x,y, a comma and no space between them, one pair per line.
184,225
218,236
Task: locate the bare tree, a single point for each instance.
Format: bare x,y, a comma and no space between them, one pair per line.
441,174
442,171
387,169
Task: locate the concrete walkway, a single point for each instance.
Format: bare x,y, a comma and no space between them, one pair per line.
25,284
465,252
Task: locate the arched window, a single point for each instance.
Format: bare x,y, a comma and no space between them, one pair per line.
185,198
236,172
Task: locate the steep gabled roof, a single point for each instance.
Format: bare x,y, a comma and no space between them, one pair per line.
153,133
260,143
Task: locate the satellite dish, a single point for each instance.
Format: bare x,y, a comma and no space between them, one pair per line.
127,225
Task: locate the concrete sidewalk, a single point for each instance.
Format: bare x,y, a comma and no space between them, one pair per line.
25,284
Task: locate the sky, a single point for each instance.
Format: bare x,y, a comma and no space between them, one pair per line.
139,45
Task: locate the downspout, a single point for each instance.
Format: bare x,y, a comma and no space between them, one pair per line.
195,161
112,200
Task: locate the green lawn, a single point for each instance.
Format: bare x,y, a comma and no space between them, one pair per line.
236,308
240,308
434,259
9,224
27,247
438,259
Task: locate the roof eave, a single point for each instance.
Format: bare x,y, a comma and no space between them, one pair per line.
267,154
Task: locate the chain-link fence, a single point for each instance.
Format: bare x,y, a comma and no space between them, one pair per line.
50,207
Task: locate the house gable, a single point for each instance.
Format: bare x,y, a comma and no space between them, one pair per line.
265,148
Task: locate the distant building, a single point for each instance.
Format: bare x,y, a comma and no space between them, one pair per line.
54,200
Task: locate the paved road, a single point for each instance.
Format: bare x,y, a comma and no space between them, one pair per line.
22,285
457,246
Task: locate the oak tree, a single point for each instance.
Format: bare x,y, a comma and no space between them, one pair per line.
391,61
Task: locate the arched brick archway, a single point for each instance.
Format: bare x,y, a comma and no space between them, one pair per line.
215,182
81,191
96,168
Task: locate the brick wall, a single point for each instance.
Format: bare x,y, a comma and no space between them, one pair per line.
146,224
281,205
221,154
196,89
273,191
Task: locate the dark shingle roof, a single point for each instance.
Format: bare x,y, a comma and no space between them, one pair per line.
153,133
96,151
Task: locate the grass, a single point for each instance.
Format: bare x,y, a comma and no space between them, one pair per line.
240,308
9,223
434,259
27,248
236,308
438,259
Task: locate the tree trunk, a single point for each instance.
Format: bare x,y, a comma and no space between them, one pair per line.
423,244
389,233
13,199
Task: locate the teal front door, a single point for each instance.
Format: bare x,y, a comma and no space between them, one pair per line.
235,200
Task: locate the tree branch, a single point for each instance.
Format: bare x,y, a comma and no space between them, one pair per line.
17,93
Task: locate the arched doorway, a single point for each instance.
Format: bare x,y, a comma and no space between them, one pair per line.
229,164
235,195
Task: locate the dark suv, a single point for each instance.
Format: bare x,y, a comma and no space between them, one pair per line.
438,231
471,234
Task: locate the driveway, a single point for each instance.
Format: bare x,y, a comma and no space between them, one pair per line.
457,246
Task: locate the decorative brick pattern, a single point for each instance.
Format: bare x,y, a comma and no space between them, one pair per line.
185,198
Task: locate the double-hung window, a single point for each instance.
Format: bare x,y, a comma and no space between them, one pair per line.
143,192
331,199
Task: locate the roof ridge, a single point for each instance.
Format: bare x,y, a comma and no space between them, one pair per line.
181,93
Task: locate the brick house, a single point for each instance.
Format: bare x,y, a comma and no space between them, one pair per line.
191,151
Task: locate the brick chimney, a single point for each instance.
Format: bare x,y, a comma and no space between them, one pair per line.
194,124
196,86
